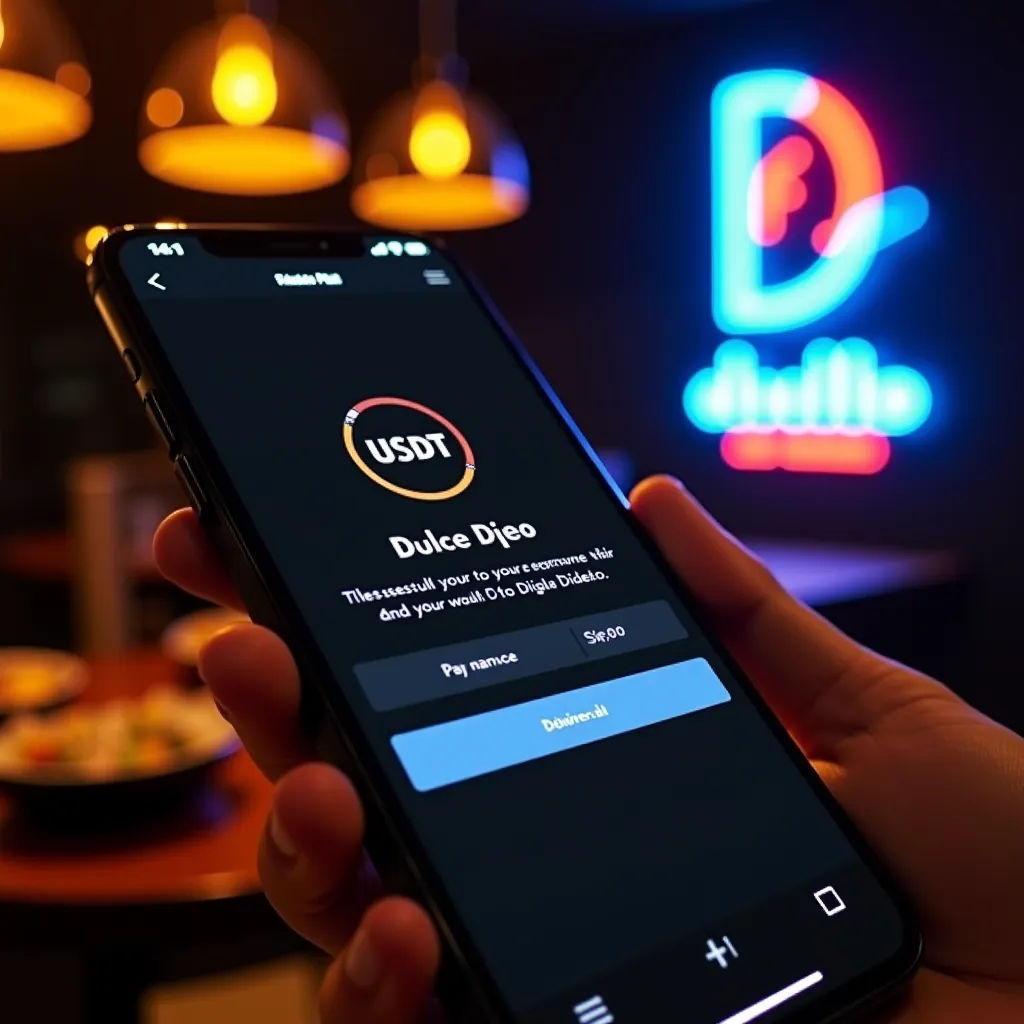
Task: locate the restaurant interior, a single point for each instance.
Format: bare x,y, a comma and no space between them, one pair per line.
592,201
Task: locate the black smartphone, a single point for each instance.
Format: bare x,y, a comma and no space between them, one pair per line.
557,758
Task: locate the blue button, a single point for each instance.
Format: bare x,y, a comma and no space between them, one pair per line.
453,751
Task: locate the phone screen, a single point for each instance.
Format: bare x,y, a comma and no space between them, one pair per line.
619,830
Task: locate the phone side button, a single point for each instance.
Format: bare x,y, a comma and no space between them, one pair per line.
132,365
159,422
190,485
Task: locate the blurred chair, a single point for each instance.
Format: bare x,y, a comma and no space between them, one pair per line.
114,504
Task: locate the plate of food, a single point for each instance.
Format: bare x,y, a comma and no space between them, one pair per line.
37,679
185,637
90,756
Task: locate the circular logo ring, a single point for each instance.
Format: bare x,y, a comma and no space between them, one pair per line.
350,446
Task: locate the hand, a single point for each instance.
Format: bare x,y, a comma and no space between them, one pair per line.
936,788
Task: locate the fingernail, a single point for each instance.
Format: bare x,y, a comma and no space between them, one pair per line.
362,965
280,838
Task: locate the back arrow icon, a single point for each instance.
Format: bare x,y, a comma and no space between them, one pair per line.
155,283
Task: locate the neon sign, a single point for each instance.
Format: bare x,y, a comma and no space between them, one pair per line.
838,388
836,409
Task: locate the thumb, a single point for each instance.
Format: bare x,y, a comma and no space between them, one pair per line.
814,677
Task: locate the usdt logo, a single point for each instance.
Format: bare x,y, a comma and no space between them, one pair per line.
408,448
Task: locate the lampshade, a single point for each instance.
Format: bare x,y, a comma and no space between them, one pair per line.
238,107
43,78
440,159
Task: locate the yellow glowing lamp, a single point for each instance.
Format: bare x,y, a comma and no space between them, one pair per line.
241,108
440,159
439,144
44,83
244,88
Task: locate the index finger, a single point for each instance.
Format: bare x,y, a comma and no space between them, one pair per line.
185,555
809,671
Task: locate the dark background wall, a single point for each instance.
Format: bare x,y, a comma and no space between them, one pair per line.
607,279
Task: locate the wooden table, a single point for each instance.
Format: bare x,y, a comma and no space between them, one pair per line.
124,894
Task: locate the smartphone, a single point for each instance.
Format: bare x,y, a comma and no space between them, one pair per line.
557,757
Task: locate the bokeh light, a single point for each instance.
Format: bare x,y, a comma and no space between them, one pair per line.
86,241
439,159
240,108
165,108
244,88
43,79
439,144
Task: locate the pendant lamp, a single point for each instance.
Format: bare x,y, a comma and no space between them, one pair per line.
43,78
239,107
440,157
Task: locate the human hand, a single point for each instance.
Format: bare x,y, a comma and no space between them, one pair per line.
310,857
936,788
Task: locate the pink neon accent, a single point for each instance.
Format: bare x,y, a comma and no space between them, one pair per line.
860,454
851,149
777,189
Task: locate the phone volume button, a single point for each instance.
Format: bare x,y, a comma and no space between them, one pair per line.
159,421
132,365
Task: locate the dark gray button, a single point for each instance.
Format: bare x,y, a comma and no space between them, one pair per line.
628,629
445,671
131,364
457,668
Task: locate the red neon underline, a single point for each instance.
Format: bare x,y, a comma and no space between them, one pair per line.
862,454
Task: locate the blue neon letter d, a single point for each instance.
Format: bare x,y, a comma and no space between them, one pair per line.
742,302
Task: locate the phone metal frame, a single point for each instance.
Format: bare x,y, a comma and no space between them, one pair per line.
465,987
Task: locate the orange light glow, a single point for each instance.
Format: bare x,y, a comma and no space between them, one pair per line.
860,454
420,203
74,76
213,120
95,235
780,189
36,113
244,87
439,144
86,242
244,160
165,108
851,147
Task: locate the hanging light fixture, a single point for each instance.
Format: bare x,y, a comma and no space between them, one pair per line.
440,157
238,107
43,78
